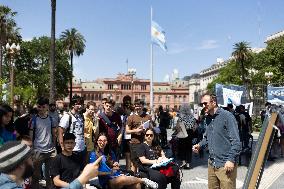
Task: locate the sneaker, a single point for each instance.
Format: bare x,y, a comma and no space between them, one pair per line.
150,183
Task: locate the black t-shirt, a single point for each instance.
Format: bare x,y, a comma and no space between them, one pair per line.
67,167
145,150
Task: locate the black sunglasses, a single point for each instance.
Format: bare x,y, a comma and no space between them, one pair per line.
149,135
203,104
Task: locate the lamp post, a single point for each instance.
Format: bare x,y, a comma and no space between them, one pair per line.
132,72
12,51
268,76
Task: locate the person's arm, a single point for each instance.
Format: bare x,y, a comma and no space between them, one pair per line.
141,151
202,144
234,138
59,183
131,131
60,136
54,132
63,124
120,133
144,160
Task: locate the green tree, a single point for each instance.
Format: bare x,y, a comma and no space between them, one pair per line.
9,32
52,53
230,74
74,43
32,69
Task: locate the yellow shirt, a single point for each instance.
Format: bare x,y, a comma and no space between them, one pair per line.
89,127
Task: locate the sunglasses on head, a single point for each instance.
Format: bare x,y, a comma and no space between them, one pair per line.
149,135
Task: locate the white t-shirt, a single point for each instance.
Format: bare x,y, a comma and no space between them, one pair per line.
76,127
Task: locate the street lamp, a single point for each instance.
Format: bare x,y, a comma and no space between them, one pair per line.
268,76
12,51
132,72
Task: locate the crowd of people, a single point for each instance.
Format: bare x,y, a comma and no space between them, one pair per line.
65,144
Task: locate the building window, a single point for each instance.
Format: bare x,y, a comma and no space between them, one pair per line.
167,107
184,98
110,86
168,98
143,87
143,97
160,98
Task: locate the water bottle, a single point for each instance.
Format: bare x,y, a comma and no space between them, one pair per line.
92,157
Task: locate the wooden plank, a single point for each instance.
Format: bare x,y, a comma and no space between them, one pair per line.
263,149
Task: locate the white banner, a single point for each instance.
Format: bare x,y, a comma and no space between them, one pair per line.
232,96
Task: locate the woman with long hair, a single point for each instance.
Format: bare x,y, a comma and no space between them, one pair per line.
149,153
110,175
7,132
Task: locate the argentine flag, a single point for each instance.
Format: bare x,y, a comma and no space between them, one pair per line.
158,35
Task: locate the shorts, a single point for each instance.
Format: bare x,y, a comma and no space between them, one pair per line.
133,153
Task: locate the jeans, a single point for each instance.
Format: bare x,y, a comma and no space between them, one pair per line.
39,159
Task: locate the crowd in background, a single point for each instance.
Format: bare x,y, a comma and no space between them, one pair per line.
65,141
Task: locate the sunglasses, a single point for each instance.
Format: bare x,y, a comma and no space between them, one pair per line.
149,135
204,104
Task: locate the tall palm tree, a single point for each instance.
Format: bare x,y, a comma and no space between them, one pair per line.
52,53
241,54
74,43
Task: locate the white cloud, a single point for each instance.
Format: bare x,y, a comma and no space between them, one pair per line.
208,44
175,48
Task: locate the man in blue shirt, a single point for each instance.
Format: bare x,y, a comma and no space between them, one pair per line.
223,142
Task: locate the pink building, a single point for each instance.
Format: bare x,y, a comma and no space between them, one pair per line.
168,94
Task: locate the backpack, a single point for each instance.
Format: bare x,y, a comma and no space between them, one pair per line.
69,129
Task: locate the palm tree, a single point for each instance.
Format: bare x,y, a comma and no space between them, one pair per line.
52,53
241,54
74,43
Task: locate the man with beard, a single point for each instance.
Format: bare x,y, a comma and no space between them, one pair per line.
222,138
16,165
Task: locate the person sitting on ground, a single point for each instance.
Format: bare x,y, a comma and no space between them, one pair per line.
150,153
65,167
15,170
110,176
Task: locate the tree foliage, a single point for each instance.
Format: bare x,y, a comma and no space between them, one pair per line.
271,59
32,70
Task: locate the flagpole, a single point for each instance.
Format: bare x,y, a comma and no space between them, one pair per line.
151,69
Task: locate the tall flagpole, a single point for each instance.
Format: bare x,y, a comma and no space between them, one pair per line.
151,69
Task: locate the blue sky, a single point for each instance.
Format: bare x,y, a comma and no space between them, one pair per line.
197,32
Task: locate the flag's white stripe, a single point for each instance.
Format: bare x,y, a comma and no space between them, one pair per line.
158,35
